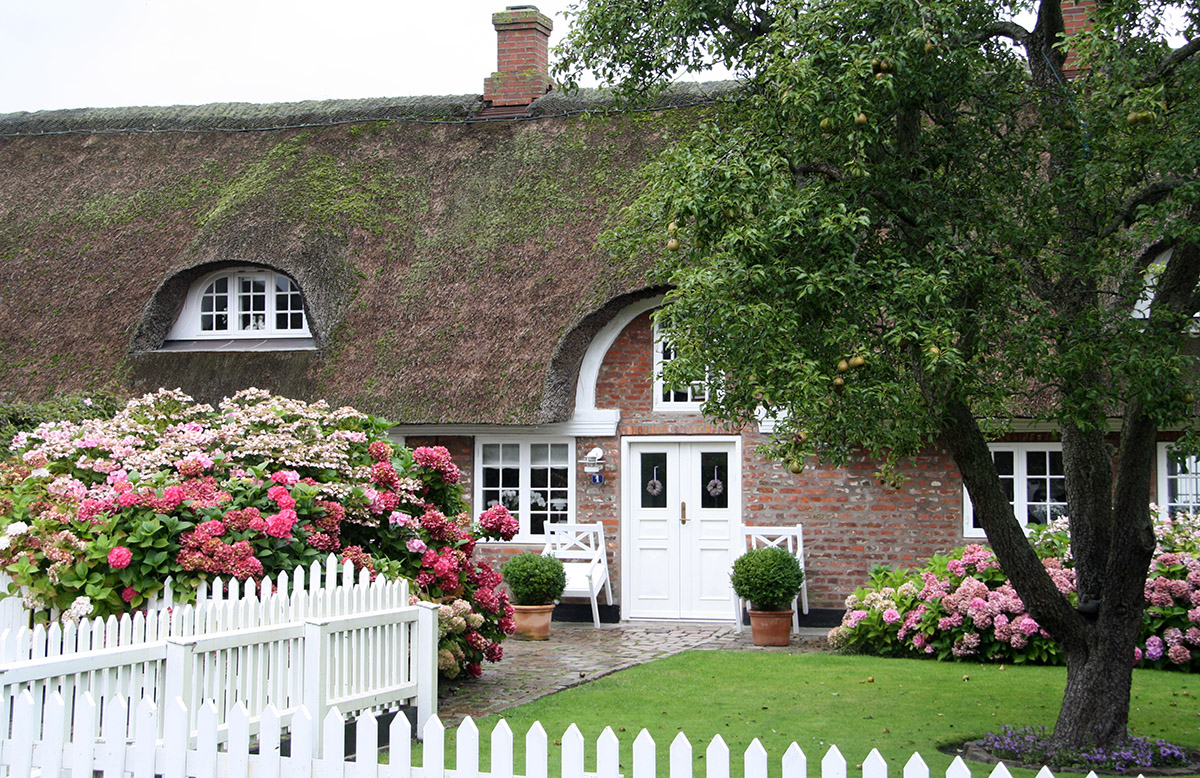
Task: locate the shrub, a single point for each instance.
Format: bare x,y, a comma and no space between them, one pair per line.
534,579
769,578
962,606
18,417
97,514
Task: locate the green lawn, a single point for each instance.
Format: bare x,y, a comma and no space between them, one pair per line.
816,699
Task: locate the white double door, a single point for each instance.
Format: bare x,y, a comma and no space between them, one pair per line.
682,507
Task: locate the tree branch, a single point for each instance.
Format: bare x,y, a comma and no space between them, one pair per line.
1004,29
822,168
1172,61
1153,193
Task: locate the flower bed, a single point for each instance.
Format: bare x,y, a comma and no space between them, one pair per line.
962,606
97,514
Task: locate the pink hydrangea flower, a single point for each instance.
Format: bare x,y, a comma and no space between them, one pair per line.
416,545
128,593
279,525
119,558
285,477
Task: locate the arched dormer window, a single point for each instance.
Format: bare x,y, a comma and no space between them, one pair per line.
240,304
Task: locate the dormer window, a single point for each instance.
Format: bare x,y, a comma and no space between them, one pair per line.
242,304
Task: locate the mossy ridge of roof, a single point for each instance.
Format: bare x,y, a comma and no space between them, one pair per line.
237,116
470,247
234,117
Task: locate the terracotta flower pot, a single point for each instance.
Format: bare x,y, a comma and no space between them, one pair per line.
533,621
771,628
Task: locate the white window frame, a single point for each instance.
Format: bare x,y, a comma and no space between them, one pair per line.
189,326
524,487
661,403
1164,486
1020,485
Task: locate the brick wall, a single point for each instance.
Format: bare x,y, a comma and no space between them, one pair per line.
852,522
1076,17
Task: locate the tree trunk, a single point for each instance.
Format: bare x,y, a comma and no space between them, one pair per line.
1098,646
1095,706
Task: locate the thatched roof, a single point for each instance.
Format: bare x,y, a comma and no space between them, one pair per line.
449,265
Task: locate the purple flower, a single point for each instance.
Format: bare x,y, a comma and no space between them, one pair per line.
1154,648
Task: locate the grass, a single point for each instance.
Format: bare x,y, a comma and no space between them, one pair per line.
899,706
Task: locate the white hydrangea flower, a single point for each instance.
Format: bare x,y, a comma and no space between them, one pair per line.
16,528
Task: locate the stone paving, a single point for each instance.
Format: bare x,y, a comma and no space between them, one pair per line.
577,653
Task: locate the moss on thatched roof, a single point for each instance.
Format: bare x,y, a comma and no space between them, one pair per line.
444,262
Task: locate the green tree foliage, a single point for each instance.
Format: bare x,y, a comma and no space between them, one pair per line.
915,225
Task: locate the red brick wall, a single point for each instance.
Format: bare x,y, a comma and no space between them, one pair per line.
851,521
1076,17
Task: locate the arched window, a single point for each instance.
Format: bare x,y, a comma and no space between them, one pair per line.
242,303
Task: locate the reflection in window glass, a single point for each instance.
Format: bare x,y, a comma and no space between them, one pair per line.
714,475
549,485
654,479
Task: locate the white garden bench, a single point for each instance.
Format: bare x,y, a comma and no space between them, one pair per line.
790,539
581,549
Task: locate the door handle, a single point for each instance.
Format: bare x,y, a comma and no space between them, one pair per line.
683,513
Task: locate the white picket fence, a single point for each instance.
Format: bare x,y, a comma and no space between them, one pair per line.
317,750
356,646
328,576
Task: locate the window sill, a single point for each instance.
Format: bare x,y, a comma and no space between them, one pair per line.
241,344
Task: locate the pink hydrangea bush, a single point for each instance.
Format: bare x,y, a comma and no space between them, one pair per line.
168,487
962,606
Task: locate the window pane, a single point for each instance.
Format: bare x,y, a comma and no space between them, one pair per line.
539,454
213,302
653,486
1045,486
252,303
1183,485
714,474
1004,462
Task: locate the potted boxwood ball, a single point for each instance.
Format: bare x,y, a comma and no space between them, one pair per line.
769,579
536,582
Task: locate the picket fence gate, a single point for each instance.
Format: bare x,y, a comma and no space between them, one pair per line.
355,646
175,755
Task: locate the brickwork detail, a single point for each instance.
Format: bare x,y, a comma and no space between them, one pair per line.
522,63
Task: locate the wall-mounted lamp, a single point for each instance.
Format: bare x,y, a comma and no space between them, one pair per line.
591,462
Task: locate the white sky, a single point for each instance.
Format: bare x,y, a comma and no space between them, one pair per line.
106,53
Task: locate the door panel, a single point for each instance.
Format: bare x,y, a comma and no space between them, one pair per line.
684,505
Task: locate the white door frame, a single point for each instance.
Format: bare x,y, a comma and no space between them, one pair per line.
627,491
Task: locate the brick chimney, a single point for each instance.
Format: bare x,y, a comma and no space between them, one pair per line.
1076,18
523,62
